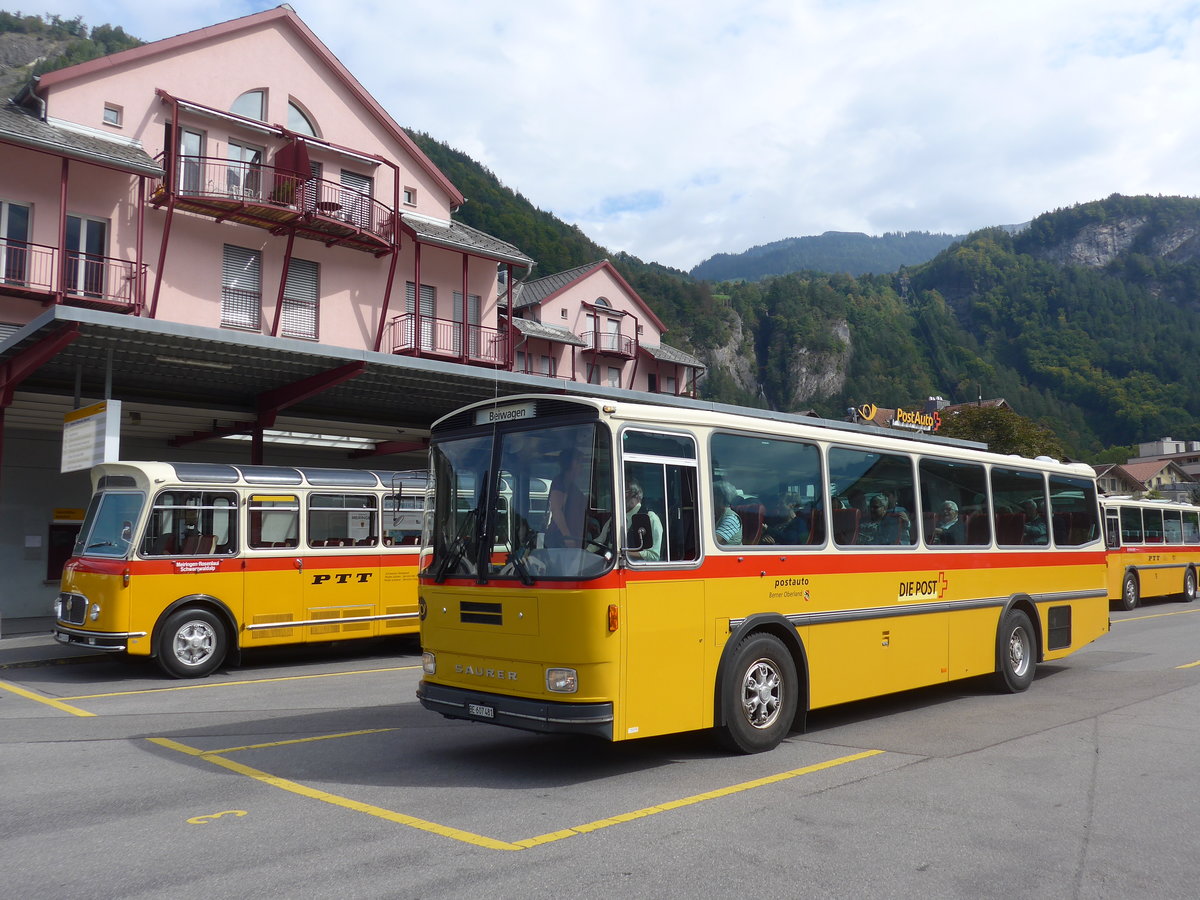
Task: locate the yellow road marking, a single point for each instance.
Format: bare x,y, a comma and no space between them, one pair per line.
1189,665
1178,612
221,684
57,704
307,740
468,837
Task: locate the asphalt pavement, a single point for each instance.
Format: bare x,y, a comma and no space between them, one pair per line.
30,642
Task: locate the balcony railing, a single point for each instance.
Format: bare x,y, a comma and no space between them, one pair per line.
414,335
100,282
609,344
266,197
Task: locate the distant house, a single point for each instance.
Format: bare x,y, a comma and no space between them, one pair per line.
1113,478
589,324
1162,475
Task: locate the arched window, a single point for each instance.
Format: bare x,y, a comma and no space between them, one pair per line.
603,301
252,105
298,120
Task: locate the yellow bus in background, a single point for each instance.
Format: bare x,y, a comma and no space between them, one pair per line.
626,570
190,563
1153,549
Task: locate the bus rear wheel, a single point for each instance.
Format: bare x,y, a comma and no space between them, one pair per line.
1016,652
192,643
760,694
1189,585
1130,592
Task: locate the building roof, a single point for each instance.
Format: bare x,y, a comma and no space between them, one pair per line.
284,14
1118,471
23,128
557,333
458,236
1144,471
535,291
670,354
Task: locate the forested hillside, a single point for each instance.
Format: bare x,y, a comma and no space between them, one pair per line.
834,251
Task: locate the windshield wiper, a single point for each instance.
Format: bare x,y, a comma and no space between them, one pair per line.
457,547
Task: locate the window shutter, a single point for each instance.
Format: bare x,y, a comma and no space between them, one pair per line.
241,287
301,295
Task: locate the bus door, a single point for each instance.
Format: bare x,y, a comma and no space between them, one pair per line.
664,614
274,574
341,578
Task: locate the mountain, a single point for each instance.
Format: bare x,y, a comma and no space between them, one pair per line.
834,251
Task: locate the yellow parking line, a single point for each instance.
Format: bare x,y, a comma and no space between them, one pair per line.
307,740
57,704
221,684
1178,612
479,840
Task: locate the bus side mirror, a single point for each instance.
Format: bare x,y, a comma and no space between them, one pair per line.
639,536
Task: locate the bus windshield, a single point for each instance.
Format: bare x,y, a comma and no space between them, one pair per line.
107,529
524,504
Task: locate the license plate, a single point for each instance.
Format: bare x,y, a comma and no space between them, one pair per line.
484,712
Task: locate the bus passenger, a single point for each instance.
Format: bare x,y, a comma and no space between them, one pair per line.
1035,525
787,527
568,504
949,528
881,528
633,506
728,526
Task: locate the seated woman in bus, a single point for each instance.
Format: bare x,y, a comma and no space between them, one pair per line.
881,528
1035,525
728,528
568,504
951,529
651,544
786,527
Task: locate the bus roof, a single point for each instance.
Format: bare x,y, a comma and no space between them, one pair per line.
729,416
261,476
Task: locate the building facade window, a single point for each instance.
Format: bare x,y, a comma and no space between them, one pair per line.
474,341
14,242
410,196
244,175
241,288
191,161
252,105
422,323
87,247
299,121
113,115
299,317
355,199
614,376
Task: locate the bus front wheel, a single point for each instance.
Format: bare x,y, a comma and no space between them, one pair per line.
1130,594
761,691
1016,652
192,643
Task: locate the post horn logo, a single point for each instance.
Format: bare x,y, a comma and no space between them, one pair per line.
868,411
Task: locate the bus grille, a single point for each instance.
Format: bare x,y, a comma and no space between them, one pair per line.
73,608
480,613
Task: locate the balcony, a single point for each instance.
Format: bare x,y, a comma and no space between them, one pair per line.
87,280
423,336
278,200
602,343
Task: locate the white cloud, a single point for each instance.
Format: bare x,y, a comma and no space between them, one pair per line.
677,130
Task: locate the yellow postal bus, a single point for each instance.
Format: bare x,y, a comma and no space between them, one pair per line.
627,570
192,562
1153,549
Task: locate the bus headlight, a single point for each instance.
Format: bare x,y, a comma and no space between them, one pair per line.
429,663
562,681
94,611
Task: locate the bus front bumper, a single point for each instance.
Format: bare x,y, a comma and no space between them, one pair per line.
594,719
113,641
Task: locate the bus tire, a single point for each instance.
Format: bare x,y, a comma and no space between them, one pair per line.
1016,652
192,643
760,694
1189,585
1130,592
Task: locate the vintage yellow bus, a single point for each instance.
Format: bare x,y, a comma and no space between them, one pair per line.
1153,549
627,570
190,563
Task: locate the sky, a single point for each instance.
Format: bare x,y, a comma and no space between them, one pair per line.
677,130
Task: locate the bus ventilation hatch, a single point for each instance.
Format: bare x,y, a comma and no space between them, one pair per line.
1059,635
480,613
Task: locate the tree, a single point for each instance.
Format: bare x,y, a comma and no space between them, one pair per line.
1003,430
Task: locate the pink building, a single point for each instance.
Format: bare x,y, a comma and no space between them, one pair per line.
273,196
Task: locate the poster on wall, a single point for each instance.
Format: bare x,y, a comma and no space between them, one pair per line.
91,435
